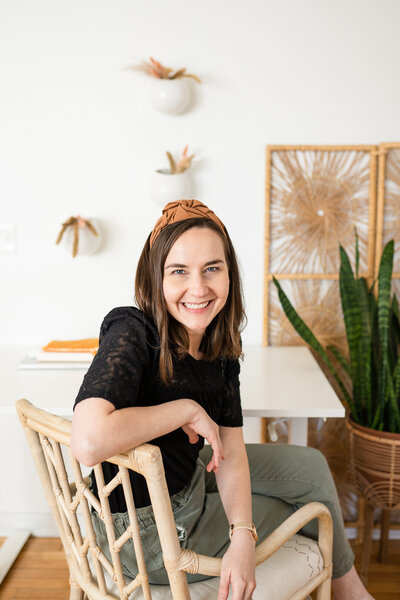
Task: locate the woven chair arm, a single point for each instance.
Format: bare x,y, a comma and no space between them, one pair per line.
191,562
293,524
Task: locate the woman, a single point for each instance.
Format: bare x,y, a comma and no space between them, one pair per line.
168,374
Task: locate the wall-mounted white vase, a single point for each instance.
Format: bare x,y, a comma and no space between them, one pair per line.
169,96
165,187
88,242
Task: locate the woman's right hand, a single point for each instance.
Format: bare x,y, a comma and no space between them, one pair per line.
201,424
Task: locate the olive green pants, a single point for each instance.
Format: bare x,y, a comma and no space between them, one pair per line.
283,478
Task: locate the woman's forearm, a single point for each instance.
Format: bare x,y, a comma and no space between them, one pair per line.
99,431
233,477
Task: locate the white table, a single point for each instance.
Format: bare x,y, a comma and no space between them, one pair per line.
286,381
275,382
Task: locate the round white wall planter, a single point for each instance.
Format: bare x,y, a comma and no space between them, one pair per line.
88,242
165,187
169,96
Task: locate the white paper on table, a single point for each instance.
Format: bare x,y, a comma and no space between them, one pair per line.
62,356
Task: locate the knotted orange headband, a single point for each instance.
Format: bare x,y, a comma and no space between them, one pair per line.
180,211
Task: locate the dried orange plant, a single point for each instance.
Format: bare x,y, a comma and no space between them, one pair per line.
77,223
183,163
156,69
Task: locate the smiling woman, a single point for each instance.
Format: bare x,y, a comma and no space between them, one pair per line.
168,373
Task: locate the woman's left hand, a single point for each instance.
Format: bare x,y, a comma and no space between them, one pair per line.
238,567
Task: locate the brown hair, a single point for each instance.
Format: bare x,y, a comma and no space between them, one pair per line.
222,336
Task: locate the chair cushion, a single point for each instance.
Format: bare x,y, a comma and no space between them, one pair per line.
278,578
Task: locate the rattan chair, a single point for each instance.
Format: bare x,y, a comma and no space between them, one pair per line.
95,577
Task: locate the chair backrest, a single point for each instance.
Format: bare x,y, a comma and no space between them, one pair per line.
70,499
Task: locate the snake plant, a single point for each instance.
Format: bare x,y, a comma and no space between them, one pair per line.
373,335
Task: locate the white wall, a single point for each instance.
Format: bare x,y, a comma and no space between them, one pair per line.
77,136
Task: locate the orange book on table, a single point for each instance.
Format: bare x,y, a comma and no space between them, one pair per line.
86,345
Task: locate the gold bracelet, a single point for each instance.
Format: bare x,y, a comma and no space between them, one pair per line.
243,525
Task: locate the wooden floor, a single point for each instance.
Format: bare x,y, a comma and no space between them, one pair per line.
40,573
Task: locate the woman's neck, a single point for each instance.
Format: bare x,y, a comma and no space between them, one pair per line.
194,346
197,355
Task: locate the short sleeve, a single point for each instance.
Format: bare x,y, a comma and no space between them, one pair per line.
231,414
117,371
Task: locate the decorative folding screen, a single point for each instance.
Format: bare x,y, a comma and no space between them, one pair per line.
315,196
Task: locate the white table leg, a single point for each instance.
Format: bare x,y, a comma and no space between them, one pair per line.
298,431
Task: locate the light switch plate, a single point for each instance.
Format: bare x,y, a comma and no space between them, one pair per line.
7,238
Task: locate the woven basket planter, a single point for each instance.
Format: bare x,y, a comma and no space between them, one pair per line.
375,465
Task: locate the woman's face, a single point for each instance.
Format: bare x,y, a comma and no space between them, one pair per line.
196,279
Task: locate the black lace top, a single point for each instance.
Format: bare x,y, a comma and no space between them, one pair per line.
125,372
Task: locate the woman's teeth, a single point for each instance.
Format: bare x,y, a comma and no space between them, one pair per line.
194,306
